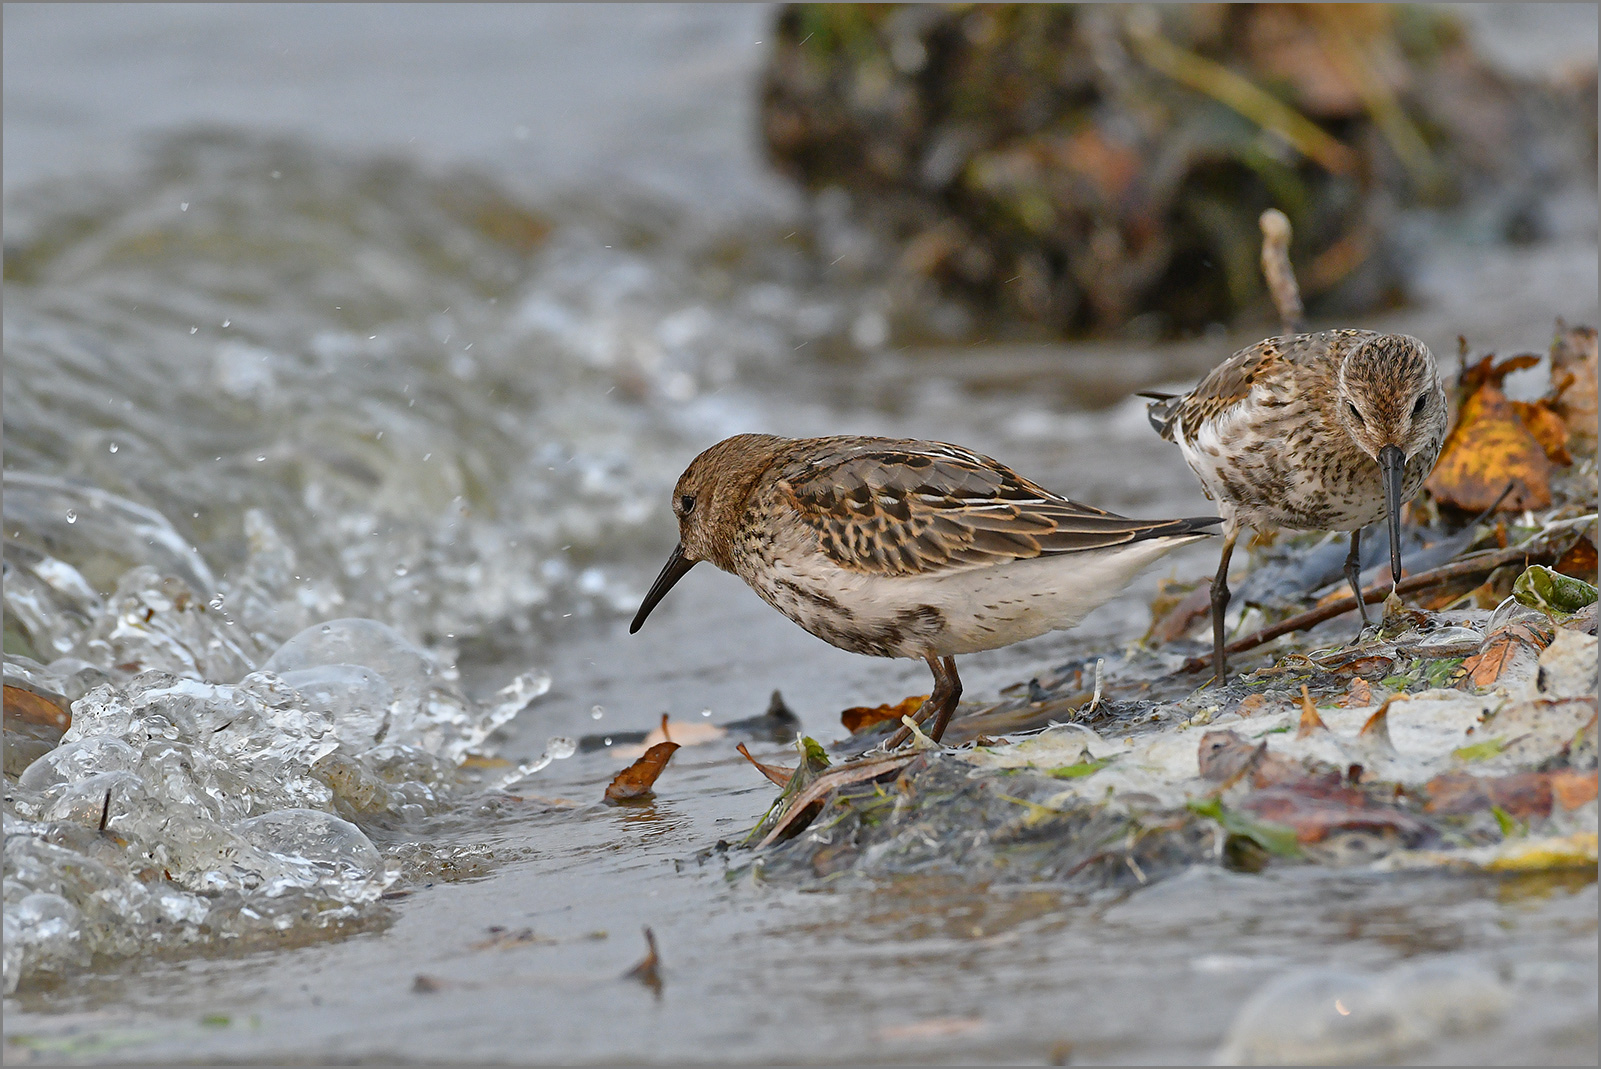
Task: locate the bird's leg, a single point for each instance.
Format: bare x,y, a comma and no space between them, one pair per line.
940,702
1352,564
1220,604
953,690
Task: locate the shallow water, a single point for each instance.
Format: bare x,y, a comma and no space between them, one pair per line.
454,383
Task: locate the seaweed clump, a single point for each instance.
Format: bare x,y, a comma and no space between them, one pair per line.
1042,170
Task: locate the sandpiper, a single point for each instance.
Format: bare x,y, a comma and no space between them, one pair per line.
1328,431
902,548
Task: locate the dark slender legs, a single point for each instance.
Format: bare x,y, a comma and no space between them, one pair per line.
942,702
1221,603
1352,575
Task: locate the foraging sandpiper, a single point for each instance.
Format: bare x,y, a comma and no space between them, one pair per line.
1326,431
902,548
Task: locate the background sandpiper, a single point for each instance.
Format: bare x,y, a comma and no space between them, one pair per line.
904,548
1325,431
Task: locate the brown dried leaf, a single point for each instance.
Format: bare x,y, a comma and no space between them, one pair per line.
776,773
27,706
1317,808
1499,653
1358,693
1547,428
635,781
646,970
1574,384
1311,722
1522,795
1579,561
837,777
860,718
1573,790
1491,447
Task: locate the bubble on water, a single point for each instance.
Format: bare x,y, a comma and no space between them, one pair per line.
560,747
112,448
72,516
597,712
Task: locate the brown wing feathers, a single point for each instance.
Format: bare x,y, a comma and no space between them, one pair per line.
898,511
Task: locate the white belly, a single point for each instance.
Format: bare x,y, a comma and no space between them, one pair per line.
954,612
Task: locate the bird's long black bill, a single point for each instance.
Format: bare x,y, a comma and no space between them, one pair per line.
1392,466
672,572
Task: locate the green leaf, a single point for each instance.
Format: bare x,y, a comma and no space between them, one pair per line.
1478,752
1541,588
1079,769
1505,821
1273,838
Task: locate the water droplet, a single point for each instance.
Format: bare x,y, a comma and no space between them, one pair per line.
607,741
226,322
706,713
401,570
216,602
112,448
277,174
72,516
261,457
560,747
596,713
194,330
183,206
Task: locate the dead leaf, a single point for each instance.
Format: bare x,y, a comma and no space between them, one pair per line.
1359,693
1521,795
1573,790
1490,447
1251,704
684,733
1499,654
1227,758
34,708
860,718
837,777
635,781
779,774
1318,808
646,970
1311,722
1547,428
1574,385
423,984
1579,561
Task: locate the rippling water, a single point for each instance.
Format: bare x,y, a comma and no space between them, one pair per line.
332,459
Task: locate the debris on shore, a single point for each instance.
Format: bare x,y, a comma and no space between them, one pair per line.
1461,732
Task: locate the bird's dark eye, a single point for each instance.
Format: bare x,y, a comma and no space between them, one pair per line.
686,503
1352,409
1418,406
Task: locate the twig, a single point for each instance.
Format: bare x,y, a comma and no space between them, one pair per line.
1475,565
1278,272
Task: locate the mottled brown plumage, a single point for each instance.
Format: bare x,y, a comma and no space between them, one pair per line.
904,548
1325,431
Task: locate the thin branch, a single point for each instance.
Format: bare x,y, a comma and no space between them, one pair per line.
1475,565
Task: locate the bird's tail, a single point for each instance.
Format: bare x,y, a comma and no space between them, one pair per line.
1163,411
1195,525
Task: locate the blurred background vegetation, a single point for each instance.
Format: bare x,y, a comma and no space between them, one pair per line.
1041,171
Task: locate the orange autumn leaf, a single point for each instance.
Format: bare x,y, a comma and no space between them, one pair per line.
35,709
1574,384
858,718
1487,666
778,774
1579,561
635,781
1573,790
1490,447
1547,428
